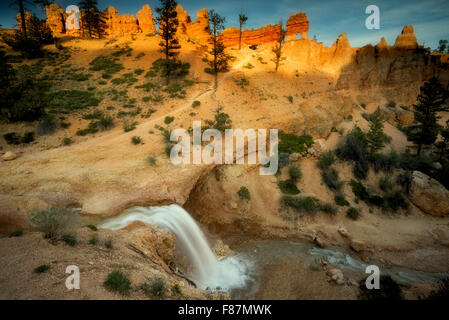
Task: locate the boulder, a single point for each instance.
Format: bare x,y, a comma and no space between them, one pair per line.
336,275
429,195
8,156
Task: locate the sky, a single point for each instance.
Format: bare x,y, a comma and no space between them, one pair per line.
327,18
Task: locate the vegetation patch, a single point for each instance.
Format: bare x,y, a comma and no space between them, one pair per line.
243,193
118,281
288,187
291,143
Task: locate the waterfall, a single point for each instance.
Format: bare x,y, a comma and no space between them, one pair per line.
207,270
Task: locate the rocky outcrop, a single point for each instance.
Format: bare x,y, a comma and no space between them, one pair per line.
197,30
407,39
297,24
145,20
251,37
120,25
56,18
429,195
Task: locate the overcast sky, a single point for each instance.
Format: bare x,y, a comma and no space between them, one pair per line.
328,18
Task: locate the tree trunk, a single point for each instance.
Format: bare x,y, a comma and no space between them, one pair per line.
22,17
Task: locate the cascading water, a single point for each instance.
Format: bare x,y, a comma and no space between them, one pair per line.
206,271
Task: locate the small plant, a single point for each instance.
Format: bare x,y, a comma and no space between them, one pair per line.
118,281
42,268
136,140
67,141
52,222
288,187
129,126
326,160
289,98
353,213
16,233
108,244
92,227
331,179
93,240
168,119
152,160
295,173
291,143
340,200
138,71
156,287
69,239
243,193
176,289
196,104
385,184
248,66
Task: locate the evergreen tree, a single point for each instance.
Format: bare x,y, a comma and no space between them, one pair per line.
375,136
7,77
242,20
442,46
443,145
219,62
168,26
430,101
92,21
277,49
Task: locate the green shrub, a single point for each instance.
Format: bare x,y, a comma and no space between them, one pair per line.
92,227
93,240
328,208
196,104
394,201
304,204
168,119
52,222
289,98
65,101
152,160
385,184
118,281
326,160
288,187
355,149
108,244
15,139
108,65
385,162
138,71
16,233
352,213
156,287
248,66
340,200
291,143
67,141
69,239
47,125
129,126
389,290
42,268
136,140
295,173
243,193
331,179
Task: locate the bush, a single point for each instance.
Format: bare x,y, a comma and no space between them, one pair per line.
168,119
291,143
108,244
47,125
118,281
93,240
156,287
42,268
340,200
295,173
92,227
16,233
355,149
196,104
331,179
65,101
385,184
129,126
360,169
244,193
307,204
13,138
394,201
69,239
389,290
352,213
136,140
328,208
326,160
152,160
67,141
52,222
288,187
385,162
108,65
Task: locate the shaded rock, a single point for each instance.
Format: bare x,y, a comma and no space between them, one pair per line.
429,195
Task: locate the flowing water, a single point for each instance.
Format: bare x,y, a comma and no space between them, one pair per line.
239,273
206,270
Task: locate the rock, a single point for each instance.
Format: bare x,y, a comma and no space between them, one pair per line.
8,156
336,275
197,30
429,195
259,36
357,245
220,249
145,20
297,24
319,242
55,19
295,157
407,39
120,25
343,232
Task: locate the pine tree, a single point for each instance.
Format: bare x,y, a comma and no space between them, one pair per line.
375,136
219,62
277,49
430,101
168,26
92,21
242,20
